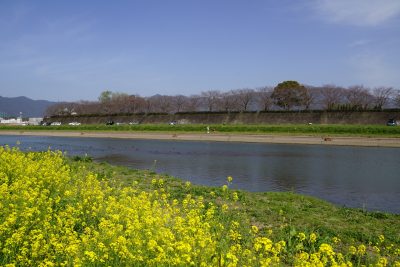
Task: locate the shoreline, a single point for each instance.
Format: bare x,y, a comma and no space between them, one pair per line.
218,137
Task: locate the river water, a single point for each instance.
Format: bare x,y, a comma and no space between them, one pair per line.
362,177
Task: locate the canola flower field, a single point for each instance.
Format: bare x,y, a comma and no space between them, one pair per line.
59,212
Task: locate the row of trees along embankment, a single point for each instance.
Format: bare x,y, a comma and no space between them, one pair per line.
286,96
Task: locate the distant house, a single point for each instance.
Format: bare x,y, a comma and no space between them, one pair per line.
11,121
19,121
35,121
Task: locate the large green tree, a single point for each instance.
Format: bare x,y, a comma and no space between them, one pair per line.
289,94
105,96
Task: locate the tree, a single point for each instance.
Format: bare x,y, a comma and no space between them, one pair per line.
120,103
54,109
227,101
105,96
397,98
161,103
88,107
332,96
178,102
289,94
264,99
358,97
381,95
308,98
243,97
61,108
124,103
148,105
193,103
211,98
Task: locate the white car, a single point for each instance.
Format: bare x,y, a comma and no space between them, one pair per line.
56,123
74,123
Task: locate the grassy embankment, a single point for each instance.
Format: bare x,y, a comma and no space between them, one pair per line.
60,211
289,129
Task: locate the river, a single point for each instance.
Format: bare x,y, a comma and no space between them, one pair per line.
362,177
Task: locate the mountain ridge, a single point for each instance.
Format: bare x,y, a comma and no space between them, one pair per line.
12,106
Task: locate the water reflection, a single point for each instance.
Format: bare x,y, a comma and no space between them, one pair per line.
350,176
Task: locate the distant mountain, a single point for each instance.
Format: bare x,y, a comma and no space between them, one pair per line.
12,106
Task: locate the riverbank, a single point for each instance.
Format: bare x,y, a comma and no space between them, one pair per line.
221,137
74,211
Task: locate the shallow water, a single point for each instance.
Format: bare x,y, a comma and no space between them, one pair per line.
362,177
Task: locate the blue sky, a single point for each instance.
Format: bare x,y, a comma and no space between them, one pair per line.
73,50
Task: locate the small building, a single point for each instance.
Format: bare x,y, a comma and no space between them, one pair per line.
11,121
35,121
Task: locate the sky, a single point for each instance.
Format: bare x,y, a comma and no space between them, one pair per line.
73,50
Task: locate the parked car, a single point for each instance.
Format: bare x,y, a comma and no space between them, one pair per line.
56,123
391,122
74,123
110,122
172,123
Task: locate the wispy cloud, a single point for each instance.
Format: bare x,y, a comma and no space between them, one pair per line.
42,45
358,12
50,55
359,43
374,69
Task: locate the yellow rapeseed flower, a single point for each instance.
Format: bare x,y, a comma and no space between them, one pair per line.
301,236
361,249
352,250
313,237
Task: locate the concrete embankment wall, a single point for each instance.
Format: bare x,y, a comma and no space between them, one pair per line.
315,117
